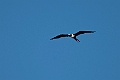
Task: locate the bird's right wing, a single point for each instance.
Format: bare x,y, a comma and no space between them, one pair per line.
82,32
59,36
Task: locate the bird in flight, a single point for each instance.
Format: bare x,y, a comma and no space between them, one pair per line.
72,35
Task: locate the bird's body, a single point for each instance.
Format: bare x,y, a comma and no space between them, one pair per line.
72,35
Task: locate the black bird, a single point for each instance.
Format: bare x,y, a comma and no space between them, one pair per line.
72,35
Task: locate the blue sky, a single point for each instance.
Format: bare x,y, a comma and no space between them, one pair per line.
27,53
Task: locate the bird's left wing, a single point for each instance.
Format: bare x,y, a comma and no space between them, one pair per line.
82,32
60,35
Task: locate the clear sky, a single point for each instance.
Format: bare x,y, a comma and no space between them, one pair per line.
27,53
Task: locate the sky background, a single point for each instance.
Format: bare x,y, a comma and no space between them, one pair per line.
27,53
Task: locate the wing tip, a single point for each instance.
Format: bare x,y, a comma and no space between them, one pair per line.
93,31
51,39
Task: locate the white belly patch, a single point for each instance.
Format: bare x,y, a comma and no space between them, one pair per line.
73,35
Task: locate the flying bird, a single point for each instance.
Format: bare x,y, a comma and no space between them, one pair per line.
72,35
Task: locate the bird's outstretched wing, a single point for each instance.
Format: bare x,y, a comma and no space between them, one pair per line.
82,32
60,35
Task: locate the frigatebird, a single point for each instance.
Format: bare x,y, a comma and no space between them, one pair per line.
72,35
